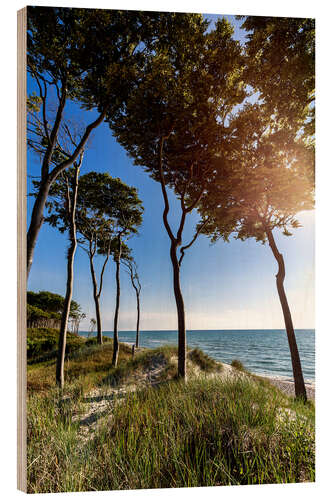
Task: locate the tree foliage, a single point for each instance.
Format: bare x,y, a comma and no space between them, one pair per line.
263,182
281,65
87,56
50,302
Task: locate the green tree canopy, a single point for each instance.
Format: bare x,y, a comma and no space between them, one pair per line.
87,56
51,302
263,182
281,66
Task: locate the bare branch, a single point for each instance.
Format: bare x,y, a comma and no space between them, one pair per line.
185,247
56,171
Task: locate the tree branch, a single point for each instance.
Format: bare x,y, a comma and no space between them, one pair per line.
66,163
102,272
196,201
185,247
165,195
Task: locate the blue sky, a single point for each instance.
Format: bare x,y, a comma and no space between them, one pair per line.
224,285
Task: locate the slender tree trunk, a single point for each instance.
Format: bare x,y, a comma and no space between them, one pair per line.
300,390
180,312
37,218
115,326
137,319
96,299
60,379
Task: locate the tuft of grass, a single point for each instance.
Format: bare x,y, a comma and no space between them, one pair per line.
206,363
205,432
235,363
149,359
93,340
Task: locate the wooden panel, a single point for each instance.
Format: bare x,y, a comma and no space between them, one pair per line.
21,249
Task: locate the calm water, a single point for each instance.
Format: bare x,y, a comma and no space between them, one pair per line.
261,351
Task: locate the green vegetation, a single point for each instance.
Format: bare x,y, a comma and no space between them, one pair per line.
204,361
228,129
235,363
207,431
42,343
44,310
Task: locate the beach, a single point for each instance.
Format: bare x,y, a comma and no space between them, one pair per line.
289,387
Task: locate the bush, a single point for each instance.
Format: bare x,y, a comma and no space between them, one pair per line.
235,363
42,343
202,359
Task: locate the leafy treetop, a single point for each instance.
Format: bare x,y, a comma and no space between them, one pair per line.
188,86
262,183
281,65
51,302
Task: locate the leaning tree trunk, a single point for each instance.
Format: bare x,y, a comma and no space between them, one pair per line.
96,300
137,318
180,312
300,390
115,325
69,287
37,218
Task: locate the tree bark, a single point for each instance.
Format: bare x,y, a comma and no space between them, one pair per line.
96,298
175,242
137,319
115,327
37,218
137,287
60,379
300,390
180,312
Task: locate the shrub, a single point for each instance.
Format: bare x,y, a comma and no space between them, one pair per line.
235,363
42,343
202,359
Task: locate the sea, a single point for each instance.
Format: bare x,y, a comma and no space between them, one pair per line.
264,352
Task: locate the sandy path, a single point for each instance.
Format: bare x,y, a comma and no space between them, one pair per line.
289,387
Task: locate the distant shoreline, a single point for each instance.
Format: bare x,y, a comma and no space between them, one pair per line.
286,386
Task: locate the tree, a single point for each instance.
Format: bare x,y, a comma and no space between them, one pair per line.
62,214
71,197
92,326
88,57
44,309
96,236
108,212
281,66
121,203
267,185
50,302
175,119
132,270
75,323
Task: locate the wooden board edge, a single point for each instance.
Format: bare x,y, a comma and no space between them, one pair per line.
21,249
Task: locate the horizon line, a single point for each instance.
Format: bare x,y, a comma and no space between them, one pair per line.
204,330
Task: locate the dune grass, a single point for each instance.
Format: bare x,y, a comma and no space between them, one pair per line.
205,432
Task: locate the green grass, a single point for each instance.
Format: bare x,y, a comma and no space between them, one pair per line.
205,432
89,364
206,363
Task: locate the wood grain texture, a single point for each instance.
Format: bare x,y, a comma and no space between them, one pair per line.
21,249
